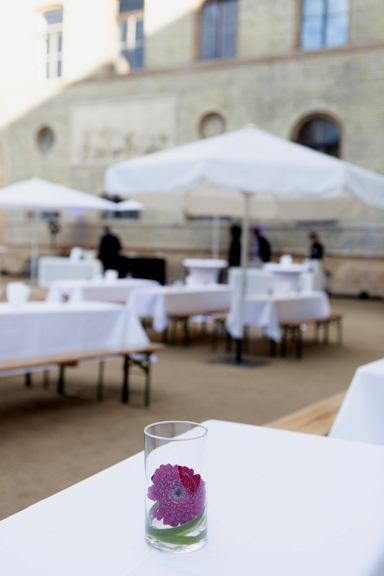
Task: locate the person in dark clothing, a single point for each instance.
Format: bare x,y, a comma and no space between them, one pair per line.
234,255
316,250
264,251
109,251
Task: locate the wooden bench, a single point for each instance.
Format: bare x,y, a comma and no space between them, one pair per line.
314,419
295,332
131,356
183,319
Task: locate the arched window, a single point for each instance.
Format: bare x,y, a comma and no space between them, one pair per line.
53,24
324,23
131,22
320,134
218,29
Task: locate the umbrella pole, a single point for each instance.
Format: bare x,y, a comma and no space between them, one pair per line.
243,286
216,237
34,247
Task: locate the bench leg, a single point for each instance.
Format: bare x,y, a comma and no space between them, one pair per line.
99,394
228,341
272,349
316,332
186,331
60,382
46,379
299,343
125,392
165,335
28,380
326,332
339,332
215,335
284,342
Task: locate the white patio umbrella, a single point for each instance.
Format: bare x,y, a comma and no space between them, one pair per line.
40,195
249,161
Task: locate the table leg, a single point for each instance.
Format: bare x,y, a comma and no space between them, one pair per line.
28,380
60,383
99,394
125,394
46,379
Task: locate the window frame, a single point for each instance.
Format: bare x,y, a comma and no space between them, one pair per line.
319,115
198,34
130,18
299,28
52,59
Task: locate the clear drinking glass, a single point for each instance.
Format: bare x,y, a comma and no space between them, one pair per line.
176,486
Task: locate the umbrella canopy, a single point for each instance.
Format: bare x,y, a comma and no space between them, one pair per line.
248,160
36,195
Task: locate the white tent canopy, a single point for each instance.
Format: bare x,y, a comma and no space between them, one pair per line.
249,161
37,195
40,195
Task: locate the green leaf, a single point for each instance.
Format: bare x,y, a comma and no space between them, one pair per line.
180,534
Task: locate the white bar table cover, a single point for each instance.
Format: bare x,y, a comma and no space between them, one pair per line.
279,503
361,416
269,310
51,268
40,328
101,290
165,301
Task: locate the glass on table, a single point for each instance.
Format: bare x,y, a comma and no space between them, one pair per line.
175,486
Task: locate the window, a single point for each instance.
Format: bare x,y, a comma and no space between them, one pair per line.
45,139
131,22
53,43
218,29
321,134
212,124
324,23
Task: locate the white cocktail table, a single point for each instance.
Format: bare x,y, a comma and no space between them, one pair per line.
286,277
204,270
279,504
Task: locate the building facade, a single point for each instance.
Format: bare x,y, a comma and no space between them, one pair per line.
86,84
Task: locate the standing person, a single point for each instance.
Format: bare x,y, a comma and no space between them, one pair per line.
316,250
234,255
109,250
264,251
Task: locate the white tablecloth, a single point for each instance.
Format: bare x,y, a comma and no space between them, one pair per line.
101,290
269,311
165,301
39,328
361,416
279,504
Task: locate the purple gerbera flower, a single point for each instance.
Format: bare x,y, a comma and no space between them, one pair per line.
179,492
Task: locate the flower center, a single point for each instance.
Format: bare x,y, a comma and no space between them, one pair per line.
177,493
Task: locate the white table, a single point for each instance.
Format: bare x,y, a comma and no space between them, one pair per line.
41,328
279,504
101,290
50,269
270,310
286,277
204,270
361,416
165,301
260,281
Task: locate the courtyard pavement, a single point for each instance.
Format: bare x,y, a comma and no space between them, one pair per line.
48,443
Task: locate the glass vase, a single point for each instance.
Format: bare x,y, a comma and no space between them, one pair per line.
176,486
